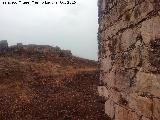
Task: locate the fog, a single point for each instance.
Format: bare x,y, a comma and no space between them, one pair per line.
72,27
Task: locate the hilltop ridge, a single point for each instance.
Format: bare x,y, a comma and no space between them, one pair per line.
33,52
45,82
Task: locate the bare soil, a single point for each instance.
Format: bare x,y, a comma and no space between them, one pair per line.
42,89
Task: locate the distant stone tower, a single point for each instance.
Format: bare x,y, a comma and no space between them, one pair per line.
3,46
129,58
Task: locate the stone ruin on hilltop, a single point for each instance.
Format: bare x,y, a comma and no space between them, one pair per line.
3,45
129,58
4,48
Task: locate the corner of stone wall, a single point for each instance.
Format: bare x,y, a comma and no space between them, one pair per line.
129,58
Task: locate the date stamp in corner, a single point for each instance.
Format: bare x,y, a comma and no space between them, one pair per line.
32,2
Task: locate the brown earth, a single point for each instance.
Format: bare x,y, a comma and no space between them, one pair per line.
51,87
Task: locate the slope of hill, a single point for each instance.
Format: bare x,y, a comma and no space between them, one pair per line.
39,83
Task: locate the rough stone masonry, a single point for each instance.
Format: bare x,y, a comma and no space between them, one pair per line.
129,58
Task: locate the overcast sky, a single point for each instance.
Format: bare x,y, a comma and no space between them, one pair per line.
72,27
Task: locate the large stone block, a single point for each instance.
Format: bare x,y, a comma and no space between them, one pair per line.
156,108
125,114
106,64
114,95
142,105
141,10
120,98
103,92
129,59
124,79
109,78
110,108
148,83
150,30
144,118
128,38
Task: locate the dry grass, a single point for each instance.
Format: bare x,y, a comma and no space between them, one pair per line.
46,90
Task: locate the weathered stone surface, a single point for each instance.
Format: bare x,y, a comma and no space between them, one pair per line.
150,30
144,118
114,95
129,56
124,114
107,63
110,108
156,108
124,79
148,83
142,105
141,10
128,38
102,90
109,78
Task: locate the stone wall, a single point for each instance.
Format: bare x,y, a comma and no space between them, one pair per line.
129,58
32,48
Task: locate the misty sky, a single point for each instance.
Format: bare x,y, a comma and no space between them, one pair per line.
71,27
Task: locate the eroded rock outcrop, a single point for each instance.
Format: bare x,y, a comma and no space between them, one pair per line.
129,57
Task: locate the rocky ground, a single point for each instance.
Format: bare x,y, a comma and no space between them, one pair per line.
48,89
